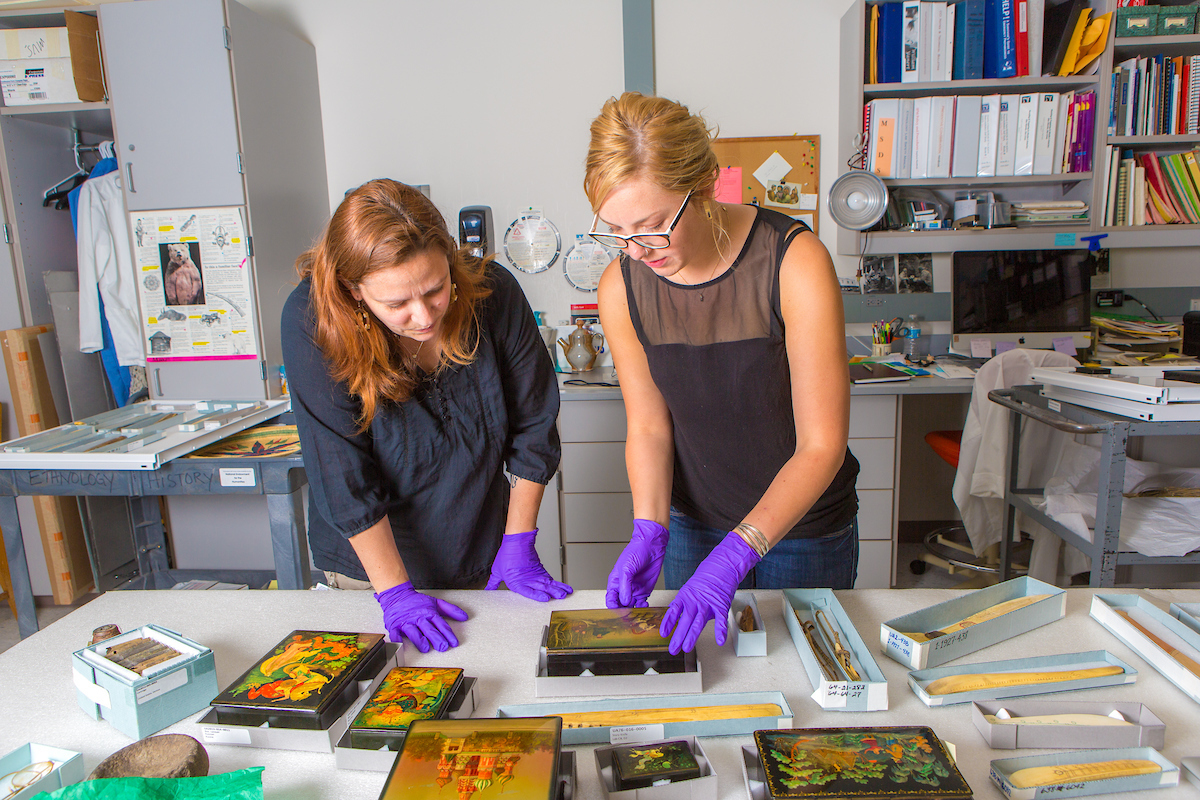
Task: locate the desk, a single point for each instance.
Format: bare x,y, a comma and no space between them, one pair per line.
597,506
1104,549
279,478
498,647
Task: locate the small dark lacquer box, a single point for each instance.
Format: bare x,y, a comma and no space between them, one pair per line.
306,681
641,765
620,641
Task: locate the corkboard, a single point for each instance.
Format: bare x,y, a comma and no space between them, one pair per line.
803,153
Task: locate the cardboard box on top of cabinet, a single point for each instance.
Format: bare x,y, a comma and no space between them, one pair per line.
52,65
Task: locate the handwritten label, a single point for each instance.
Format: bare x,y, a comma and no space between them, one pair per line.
981,348
159,481
954,638
1065,344
241,476
999,780
632,734
72,478
900,644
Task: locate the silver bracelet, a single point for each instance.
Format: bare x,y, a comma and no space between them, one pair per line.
753,537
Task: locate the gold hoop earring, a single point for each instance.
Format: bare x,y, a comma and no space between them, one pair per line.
364,316
453,292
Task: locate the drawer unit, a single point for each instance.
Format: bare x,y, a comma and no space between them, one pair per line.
875,514
877,460
874,565
872,416
592,421
594,467
588,565
596,517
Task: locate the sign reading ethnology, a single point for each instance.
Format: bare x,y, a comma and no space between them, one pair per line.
193,272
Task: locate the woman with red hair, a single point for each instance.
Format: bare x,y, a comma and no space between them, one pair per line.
426,405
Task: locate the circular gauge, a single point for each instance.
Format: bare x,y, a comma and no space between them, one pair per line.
585,263
532,243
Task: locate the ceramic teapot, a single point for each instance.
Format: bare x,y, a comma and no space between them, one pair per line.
581,347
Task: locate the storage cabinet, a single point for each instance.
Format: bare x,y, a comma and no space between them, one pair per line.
215,107
1087,186
597,506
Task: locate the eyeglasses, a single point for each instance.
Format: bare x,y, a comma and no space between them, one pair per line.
650,241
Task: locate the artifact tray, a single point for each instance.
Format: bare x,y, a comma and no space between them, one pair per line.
638,766
306,681
1002,770
518,757
406,694
859,763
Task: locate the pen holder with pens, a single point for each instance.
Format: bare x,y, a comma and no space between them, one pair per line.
881,349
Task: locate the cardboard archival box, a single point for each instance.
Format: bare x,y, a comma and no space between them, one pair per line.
746,643
900,645
1182,639
1002,769
312,741
460,706
52,65
139,705
920,679
1188,614
736,726
1144,728
868,694
68,769
702,788
67,562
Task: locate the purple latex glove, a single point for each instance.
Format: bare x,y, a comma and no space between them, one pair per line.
708,594
517,566
418,617
636,571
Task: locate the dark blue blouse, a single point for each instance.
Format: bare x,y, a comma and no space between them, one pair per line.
435,463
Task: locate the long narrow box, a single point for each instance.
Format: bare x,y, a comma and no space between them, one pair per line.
702,788
1169,631
1188,614
734,726
1145,729
139,705
868,694
920,679
66,769
1191,770
461,706
1002,770
746,643
311,741
904,638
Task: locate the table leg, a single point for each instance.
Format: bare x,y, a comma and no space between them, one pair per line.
1010,510
18,567
149,535
1110,483
289,542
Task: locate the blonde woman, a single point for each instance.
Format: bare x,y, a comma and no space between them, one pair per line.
726,327
418,377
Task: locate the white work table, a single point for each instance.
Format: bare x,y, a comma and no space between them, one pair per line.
499,647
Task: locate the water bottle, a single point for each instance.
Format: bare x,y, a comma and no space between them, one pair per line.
912,338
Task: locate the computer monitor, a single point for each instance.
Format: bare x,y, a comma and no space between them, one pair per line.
1025,297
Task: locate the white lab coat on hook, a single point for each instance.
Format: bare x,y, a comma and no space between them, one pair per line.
106,269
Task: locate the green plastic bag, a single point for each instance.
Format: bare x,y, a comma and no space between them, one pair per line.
242,784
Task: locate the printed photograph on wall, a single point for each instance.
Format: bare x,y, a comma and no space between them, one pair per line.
183,282
916,273
785,195
879,275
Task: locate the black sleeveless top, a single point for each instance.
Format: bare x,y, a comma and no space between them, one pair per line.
717,354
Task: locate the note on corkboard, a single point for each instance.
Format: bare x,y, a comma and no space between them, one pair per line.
778,172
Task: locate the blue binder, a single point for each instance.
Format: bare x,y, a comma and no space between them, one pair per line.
968,41
890,42
1000,39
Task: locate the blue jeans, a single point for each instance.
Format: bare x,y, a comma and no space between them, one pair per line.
824,562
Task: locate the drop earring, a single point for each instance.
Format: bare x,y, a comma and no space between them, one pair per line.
453,292
364,316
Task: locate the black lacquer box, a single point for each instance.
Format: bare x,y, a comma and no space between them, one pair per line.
621,641
405,695
642,765
306,681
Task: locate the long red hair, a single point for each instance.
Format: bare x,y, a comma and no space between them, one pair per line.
379,225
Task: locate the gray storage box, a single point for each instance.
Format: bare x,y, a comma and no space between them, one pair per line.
1145,730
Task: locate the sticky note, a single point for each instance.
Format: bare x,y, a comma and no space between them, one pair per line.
1004,347
729,185
1065,344
981,348
808,201
1064,240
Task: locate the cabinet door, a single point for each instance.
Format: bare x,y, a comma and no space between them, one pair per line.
171,90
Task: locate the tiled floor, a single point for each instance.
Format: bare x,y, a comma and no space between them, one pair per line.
45,614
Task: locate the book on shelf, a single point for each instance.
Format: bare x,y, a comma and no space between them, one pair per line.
999,34
1027,113
941,137
904,130
1045,128
1006,135
1139,195
968,40
1022,38
921,127
989,127
1064,145
1049,212
890,48
965,145
885,114
910,69
937,40
947,72
1112,167
872,54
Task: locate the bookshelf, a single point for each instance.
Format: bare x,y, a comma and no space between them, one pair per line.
1087,186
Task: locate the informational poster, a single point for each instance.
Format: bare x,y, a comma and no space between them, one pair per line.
194,284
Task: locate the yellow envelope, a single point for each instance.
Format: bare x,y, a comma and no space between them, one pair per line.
1093,41
1073,44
